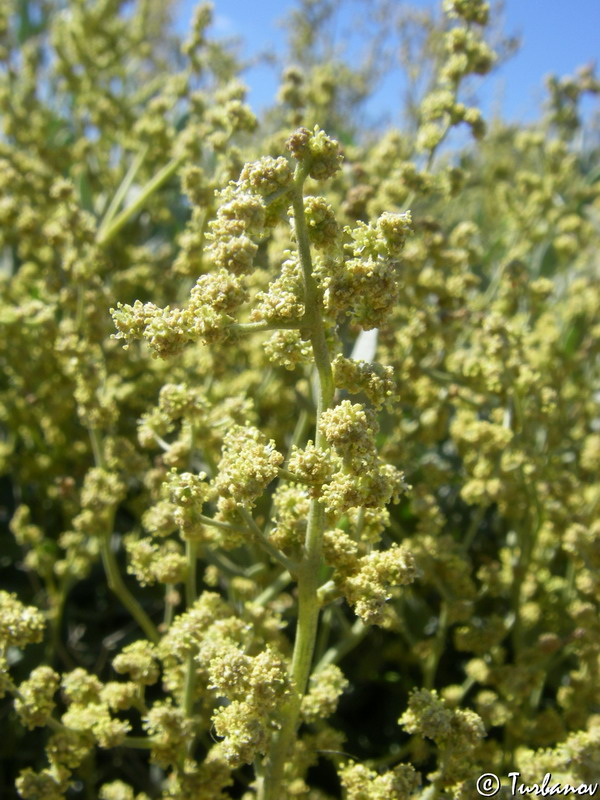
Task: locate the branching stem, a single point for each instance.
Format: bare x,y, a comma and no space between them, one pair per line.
108,232
309,568
113,575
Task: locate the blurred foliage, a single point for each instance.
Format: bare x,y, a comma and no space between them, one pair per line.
147,521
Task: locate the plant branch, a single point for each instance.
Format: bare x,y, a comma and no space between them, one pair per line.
105,234
111,568
309,568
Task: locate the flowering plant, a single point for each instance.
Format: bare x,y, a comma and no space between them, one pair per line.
299,439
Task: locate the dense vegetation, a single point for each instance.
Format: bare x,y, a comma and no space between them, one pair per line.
299,426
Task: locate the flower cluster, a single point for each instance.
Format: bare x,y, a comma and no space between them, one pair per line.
366,580
354,461
256,687
363,480
248,465
20,625
366,284
457,732
398,784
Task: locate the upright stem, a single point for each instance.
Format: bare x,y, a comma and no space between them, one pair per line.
432,662
313,317
189,686
191,553
107,232
124,187
307,571
117,585
111,568
345,645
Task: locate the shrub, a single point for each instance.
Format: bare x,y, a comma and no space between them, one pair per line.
300,439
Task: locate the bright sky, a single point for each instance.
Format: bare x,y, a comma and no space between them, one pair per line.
557,36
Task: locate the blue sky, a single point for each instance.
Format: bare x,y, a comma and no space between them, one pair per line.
557,36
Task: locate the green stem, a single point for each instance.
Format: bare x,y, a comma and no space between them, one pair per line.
121,192
313,318
117,585
360,523
274,589
297,437
191,552
223,526
335,653
57,605
309,568
263,541
265,325
473,528
191,549
224,564
169,607
291,476
328,592
138,742
431,665
299,431
189,687
111,568
97,448
105,234
252,529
